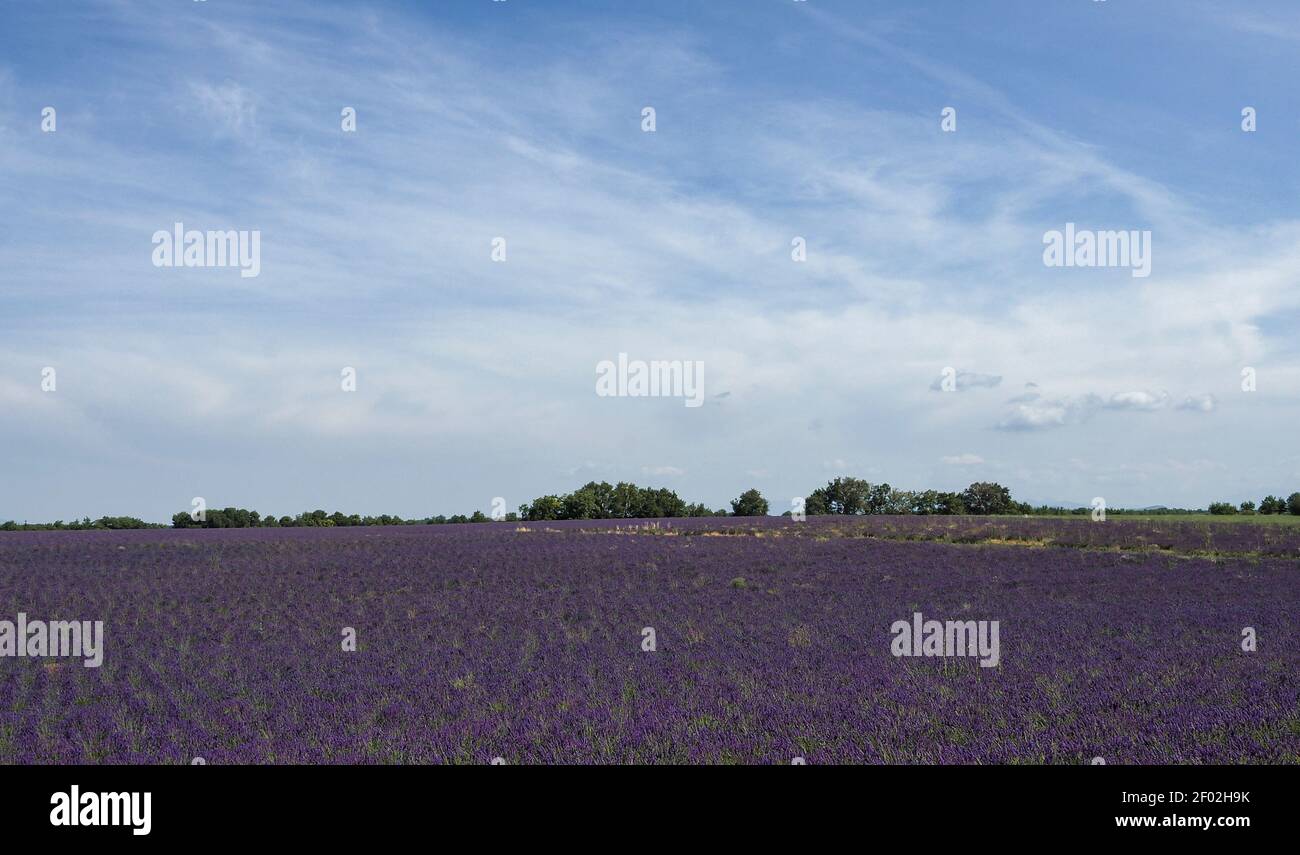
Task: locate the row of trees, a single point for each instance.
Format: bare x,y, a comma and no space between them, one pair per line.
856,496
241,518
86,524
592,501
1267,505
600,500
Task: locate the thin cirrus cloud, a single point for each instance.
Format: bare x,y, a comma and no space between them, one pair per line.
226,106
1204,403
1032,411
669,471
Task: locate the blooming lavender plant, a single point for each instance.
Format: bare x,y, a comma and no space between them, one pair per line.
524,642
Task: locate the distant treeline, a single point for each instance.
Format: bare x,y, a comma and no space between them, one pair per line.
86,524
598,500
622,501
601,500
856,496
844,495
1267,505
593,501
240,518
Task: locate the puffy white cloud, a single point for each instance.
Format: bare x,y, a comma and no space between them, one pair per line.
1137,401
1043,413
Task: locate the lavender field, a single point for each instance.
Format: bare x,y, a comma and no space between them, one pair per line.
1119,640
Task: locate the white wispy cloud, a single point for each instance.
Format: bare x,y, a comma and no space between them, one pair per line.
227,105
1203,403
662,470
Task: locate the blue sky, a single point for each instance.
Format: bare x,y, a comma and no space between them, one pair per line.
520,119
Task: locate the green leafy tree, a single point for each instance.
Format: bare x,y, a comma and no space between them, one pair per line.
1272,505
839,496
816,503
543,508
623,500
601,494
581,504
925,502
749,504
878,498
900,502
986,497
653,504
